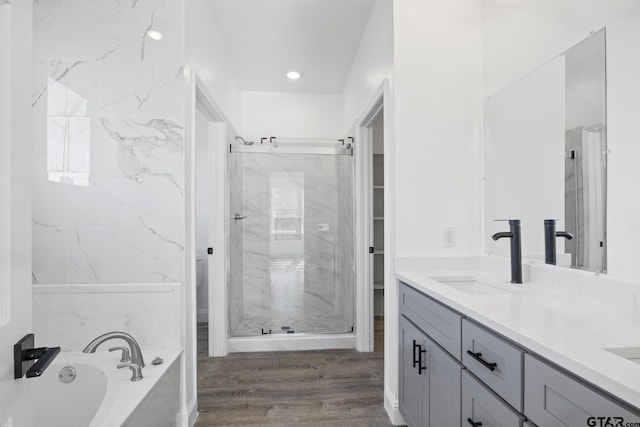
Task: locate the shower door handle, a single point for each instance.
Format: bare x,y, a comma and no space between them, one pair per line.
238,217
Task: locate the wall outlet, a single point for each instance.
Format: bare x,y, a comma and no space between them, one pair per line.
448,237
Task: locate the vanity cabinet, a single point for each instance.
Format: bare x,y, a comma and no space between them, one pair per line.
430,380
455,371
555,399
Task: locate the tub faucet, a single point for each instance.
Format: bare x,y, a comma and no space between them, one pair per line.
550,235
136,370
516,248
136,354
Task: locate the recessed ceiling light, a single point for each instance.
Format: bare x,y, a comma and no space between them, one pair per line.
155,35
293,75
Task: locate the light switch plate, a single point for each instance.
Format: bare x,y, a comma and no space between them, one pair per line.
323,227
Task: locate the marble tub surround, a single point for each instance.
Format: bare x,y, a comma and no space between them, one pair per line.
568,317
108,134
149,312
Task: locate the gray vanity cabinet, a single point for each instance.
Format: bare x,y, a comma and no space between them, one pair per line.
429,380
554,399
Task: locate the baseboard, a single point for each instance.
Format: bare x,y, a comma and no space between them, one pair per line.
203,315
392,407
188,418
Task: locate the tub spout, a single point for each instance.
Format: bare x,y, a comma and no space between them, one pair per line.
136,354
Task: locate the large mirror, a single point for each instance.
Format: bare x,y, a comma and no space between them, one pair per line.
545,157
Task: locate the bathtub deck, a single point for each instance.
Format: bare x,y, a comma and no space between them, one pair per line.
301,388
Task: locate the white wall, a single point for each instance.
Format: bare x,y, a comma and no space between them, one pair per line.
519,36
206,53
371,65
438,125
306,115
438,117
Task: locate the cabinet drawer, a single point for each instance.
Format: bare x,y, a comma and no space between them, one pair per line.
552,398
481,405
495,361
437,321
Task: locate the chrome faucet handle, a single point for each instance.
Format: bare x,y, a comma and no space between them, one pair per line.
136,370
126,355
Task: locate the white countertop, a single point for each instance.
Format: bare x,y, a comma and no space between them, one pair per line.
571,331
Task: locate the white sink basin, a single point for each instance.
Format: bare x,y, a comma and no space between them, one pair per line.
630,353
472,286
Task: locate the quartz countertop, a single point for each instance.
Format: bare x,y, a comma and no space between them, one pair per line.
571,331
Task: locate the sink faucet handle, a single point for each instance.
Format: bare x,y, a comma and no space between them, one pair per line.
126,355
136,370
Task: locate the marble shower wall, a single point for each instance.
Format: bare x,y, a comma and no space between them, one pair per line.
310,277
236,288
108,142
346,231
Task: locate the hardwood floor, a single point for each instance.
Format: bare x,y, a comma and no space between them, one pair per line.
298,388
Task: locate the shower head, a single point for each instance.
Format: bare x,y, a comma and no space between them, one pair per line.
238,137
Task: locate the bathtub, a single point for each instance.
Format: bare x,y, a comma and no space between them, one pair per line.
103,396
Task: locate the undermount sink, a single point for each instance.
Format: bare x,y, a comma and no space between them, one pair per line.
632,354
472,286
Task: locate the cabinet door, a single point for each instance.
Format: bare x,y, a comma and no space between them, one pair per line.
443,391
411,379
554,399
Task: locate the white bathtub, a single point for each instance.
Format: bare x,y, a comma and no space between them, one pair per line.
103,396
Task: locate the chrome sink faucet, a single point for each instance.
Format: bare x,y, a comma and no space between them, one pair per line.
516,248
136,354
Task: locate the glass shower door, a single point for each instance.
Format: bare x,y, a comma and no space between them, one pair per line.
295,239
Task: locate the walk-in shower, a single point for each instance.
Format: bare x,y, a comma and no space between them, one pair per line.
291,237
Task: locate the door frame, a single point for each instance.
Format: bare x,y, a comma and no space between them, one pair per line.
364,324
16,33
199,98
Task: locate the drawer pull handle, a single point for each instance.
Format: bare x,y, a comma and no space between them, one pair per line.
474,424
478,357
420,367
416,361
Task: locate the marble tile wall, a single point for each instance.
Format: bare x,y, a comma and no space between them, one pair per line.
236,288
346,231
71,316
108,142
305,283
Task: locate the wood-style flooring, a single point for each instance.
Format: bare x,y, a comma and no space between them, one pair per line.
297,388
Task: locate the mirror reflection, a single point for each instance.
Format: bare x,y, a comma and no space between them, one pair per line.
545,157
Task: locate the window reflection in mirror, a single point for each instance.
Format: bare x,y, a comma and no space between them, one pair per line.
545,156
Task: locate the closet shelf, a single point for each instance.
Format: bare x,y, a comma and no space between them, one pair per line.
378,285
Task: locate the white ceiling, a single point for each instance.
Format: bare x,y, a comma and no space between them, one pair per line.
267,38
